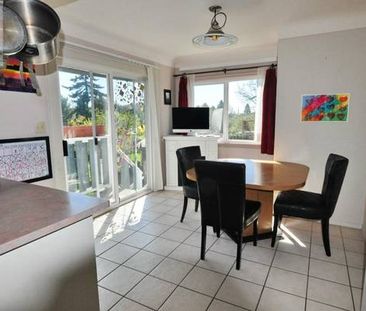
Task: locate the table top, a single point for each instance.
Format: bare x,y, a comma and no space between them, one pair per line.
268,175
29,212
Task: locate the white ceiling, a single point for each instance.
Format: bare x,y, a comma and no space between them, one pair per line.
162,30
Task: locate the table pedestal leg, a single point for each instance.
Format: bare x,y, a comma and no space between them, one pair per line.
265,217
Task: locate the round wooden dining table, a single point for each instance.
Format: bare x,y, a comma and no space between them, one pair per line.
263,178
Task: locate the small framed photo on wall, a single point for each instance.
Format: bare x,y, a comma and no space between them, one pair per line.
167,97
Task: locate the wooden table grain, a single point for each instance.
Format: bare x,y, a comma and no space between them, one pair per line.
263,178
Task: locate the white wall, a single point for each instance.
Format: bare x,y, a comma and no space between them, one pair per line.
325,64
242,151
24,114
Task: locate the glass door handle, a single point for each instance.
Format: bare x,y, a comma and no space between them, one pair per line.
64,148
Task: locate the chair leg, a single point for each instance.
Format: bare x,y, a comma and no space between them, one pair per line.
217,231
274,234
238,251
325,234
184,208
255,232
196,205
203,241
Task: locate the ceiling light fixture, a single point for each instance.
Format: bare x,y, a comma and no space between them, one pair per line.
215,37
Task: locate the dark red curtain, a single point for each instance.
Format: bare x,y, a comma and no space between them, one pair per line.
269,111
183,94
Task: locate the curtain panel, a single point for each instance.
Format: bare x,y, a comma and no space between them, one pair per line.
269,111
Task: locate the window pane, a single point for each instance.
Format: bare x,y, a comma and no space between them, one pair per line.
212,96
242,109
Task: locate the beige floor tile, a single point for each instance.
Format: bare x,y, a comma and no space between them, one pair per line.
354,246
136,224
355,260
102,244
335,242
195,240
291,262
144,261
338,255
176,234
251,271
186,253
172,202
273,300
329,271
316,306
350,233
129,305
224,246
204,281
286,281
139,239
167,220
356,277
122,280
171,270
258,254
107,299
119,253
217,262
297,223
150,215
333,229
218,305
294,247
117,233
154,228
240,293
151,292
189,224
330,293
161,246
183,300
357,294
104,267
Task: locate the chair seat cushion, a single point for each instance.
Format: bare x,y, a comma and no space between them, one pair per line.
252,211
191,191
300,204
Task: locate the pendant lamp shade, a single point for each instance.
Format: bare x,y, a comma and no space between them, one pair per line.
215,36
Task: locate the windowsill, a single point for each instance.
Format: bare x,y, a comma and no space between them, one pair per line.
253,144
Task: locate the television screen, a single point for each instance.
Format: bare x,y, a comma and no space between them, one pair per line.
186,119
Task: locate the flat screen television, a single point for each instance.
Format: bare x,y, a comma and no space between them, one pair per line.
186,120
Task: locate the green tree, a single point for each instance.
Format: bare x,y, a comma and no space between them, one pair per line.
247,109
67,111
221,104
80,95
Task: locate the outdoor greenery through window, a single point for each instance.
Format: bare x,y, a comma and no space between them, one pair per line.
233,107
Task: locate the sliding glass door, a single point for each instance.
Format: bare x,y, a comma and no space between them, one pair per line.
129,114
84,104
96,165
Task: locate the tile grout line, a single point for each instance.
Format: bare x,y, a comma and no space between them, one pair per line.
349,277
269,270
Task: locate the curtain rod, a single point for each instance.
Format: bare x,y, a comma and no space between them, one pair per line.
224,70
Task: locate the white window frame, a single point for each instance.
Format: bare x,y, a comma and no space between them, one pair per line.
258,113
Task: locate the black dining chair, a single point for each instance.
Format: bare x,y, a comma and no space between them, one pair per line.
221,188
310,205
186,157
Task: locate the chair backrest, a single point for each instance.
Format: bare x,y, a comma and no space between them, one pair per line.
221,188
335,170
186,157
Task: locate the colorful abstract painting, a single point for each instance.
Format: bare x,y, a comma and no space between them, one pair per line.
11,79
325,107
